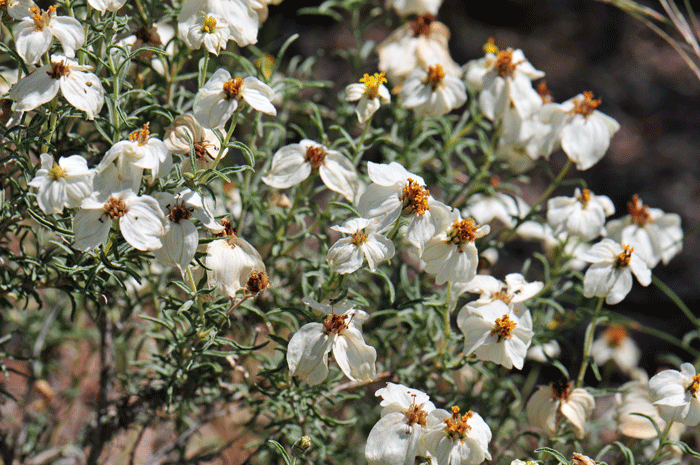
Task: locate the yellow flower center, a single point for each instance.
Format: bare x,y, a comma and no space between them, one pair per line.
436,74
115,208
372,83
639,212
336,323
624,258
456,425
614,335
59,69
209,24
504,328
56,172
504,63
415,414
359,238
232,88
315,155
585,197
42,18
586,106
502,296
694,385
462,231
490,46
415,197
140,135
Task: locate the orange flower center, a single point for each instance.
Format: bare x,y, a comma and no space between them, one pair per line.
639,212
315,155
415,414
694,385
140,135
56,172
336,323
585,197
415,197
614,335
462,231
421,25
544,92
42,18
456,425
586,106
232,88
115,208
436,74
359,238
504,63
502,296
504,328
624,258
560,390
59,69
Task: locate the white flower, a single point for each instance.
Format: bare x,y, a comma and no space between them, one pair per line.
82,89
341,332
371,93
348,254
140,218
17,9
416,44
218,99
676,394
210,30
232,263
484,208
106,5
506,82
241,16
185,134
62,184
293,163
573,246
583,215
549,403
616,345
610,274
496,333
513,292
396,192
454,439
523,140
433,92
395,438
451,254
159,35
655,235
181,241
417,7
633,399
34,34
583,132
140,152
545,352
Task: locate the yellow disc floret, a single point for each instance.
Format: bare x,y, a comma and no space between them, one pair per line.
624,258
504,328
415,197
359,238
586,106
694,385
436,74
490,46
140,135
56,172
462,231
585,197
232,88
372,83
456,425
209,24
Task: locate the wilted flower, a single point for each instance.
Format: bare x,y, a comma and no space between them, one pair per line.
610,274
231,262
395,438
185,130
615,344
62,184
549,403
655,235
82,89
496,333
513,292
676,393
293,163
348,254
341,332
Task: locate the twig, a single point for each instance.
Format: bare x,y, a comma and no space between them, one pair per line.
100,434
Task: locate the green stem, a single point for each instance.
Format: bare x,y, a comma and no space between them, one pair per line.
203,70
52,125
446,319
589,342
194,292
662,440
676,300
224,145
359,151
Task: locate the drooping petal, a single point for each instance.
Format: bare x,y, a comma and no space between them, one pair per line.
354,356
84,91
91,227
143,225
392,441
307,353
34,90
339,175
69,32
289,167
